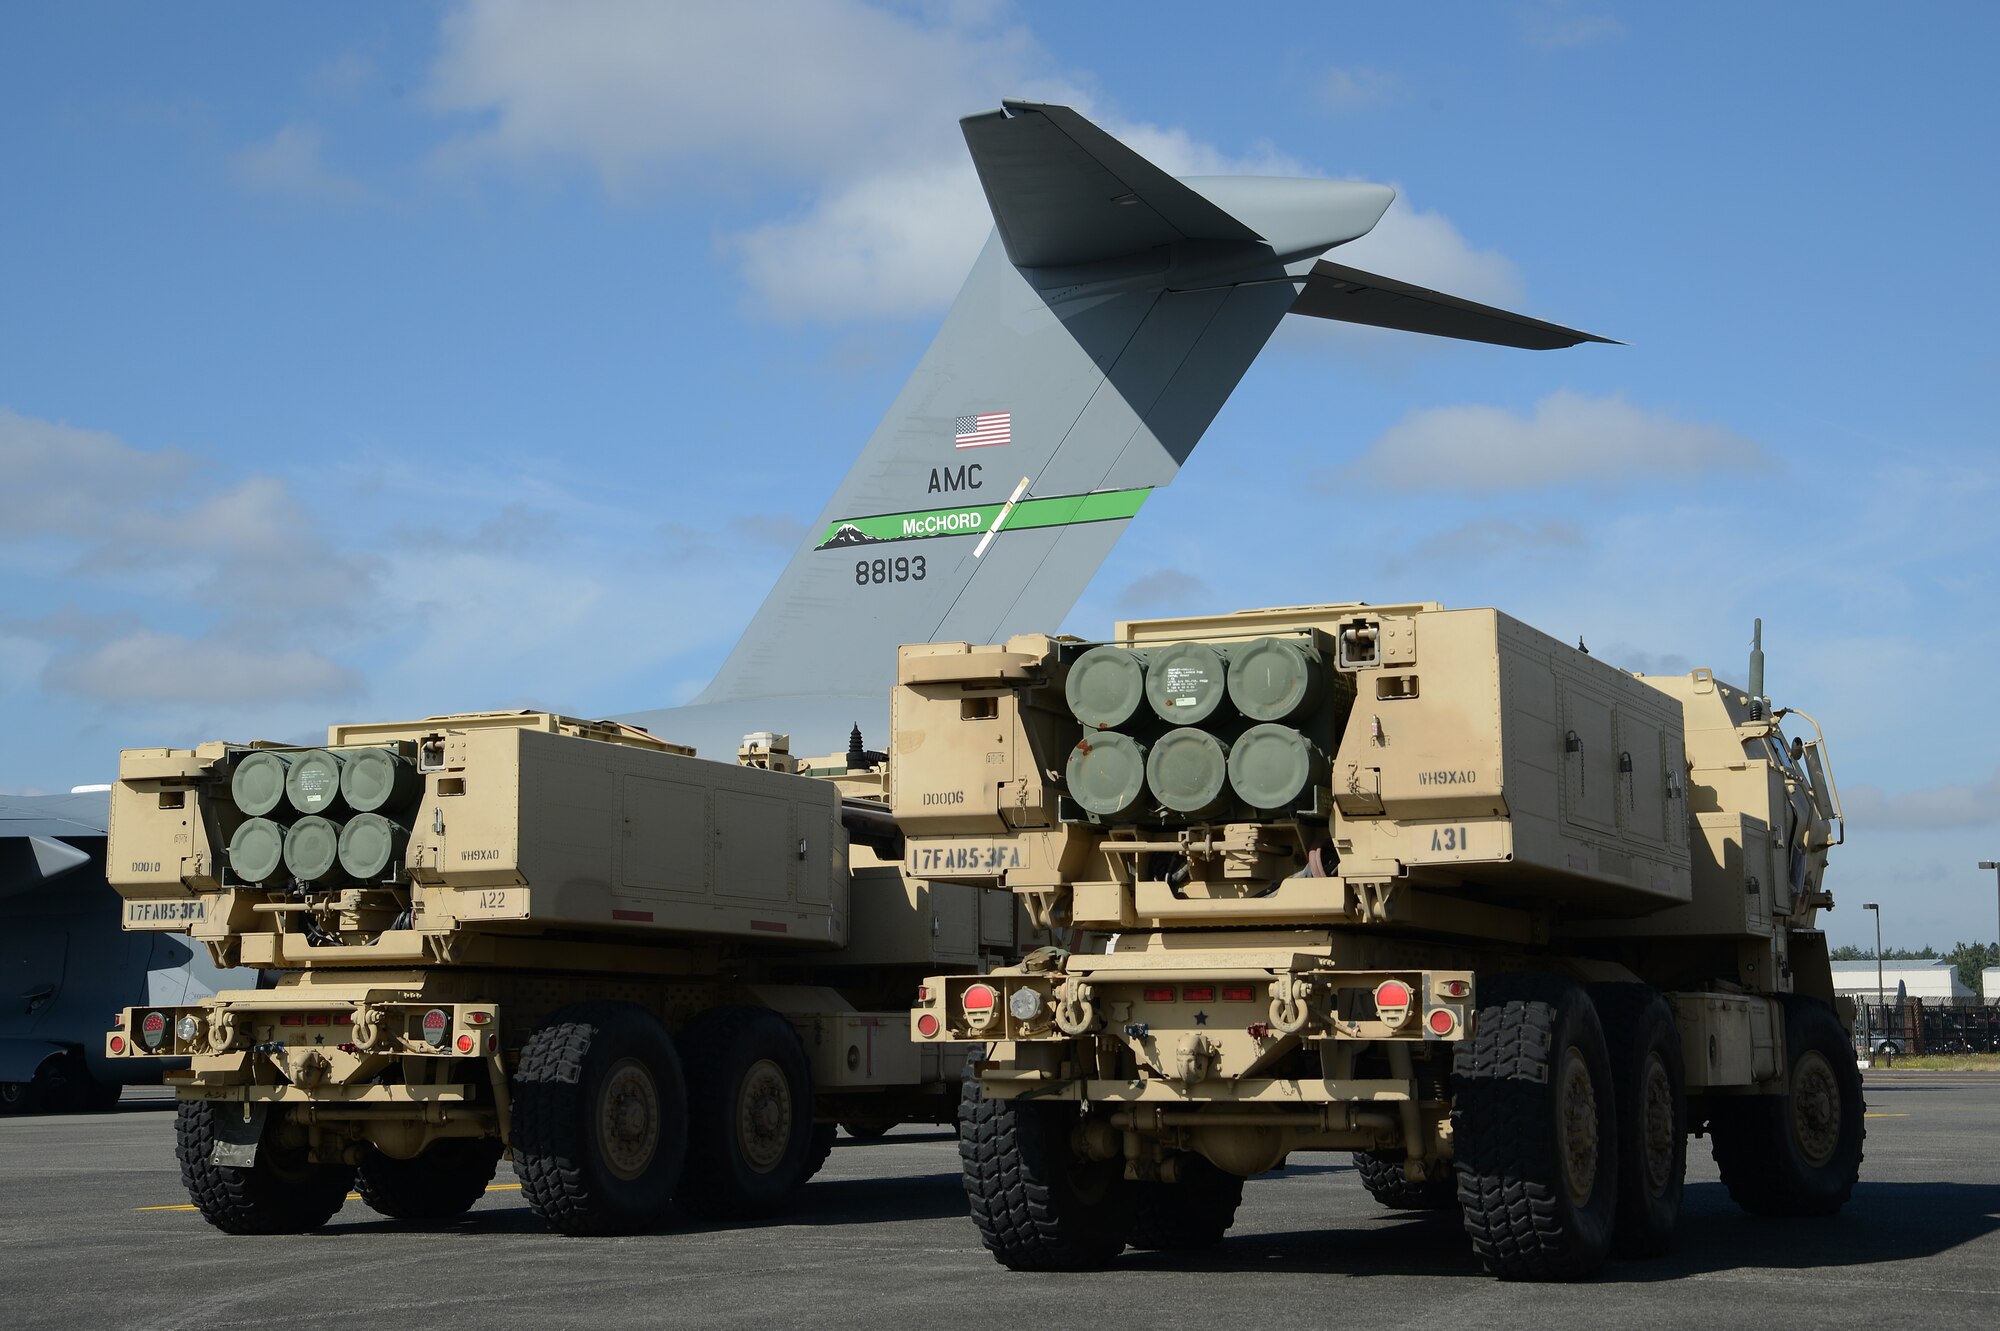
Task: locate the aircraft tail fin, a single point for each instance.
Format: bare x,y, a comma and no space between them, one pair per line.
1101,330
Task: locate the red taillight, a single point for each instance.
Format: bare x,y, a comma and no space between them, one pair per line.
492,1043
927,1025
1158,994
465,1044
923,993
1392,993
153,1029
1238,993
980,998
434,1025
118,1021
291,1019
117,1044
478,1018
1454,988
1443,1021
1199,993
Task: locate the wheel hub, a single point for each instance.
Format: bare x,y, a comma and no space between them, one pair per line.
764,1116
1815,1108
1656,1099
628,1119
1576,1126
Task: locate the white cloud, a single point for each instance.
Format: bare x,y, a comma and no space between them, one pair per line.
1568,438
1553,25
289,163
1484,539
854,106
816,88
146,666
1964,805
1352,89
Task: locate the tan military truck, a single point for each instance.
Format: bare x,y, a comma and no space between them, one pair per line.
1423,884
650,976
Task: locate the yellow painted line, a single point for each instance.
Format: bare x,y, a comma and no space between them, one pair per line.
352,1197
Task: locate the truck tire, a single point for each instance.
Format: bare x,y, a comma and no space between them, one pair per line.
444,1181
600,1119
1382,1174
819,1150
1037,1207
1796,1154
1189,1214
1534,1121
750,1107
283,1193
1649,1084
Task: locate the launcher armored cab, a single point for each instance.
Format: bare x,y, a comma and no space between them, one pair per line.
1506,921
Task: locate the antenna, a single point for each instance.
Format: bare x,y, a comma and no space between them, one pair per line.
1757,670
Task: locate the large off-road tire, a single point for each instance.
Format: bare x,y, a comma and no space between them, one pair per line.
750,1107
1534,1121
600,1119
1796,1154
819,1149
441,1183
1037,1205
1650,1085
283,1193
1192,1213
1382,1174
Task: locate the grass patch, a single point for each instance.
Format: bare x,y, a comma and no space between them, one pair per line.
1943,1062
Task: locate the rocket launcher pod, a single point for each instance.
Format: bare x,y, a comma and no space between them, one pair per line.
1106,687
1274,767
1107,773
257,850
1275,679
313,783
258,784
312,849
1186,682
370,844
375,780
1188,770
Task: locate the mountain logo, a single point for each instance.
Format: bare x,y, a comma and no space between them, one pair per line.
847,534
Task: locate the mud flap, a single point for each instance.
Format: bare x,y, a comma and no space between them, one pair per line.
236,1136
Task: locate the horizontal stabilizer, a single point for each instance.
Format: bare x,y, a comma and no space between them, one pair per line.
1064,192
1334,291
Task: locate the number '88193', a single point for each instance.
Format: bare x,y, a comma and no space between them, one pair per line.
873,572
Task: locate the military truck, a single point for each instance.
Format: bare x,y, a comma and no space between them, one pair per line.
649,976
1426,885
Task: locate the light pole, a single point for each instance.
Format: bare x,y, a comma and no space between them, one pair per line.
1994,865
1879,1001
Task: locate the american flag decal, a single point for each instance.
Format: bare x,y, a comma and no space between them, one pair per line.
984,430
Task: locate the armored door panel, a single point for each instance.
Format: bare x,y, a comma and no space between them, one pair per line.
1643,774
666,836
756,847
1590,762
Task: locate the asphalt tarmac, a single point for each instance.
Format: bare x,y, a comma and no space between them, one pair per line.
94,1234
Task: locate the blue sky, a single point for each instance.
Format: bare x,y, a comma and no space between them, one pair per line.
358,364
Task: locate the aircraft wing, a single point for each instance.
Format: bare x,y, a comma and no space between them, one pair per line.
1335,291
